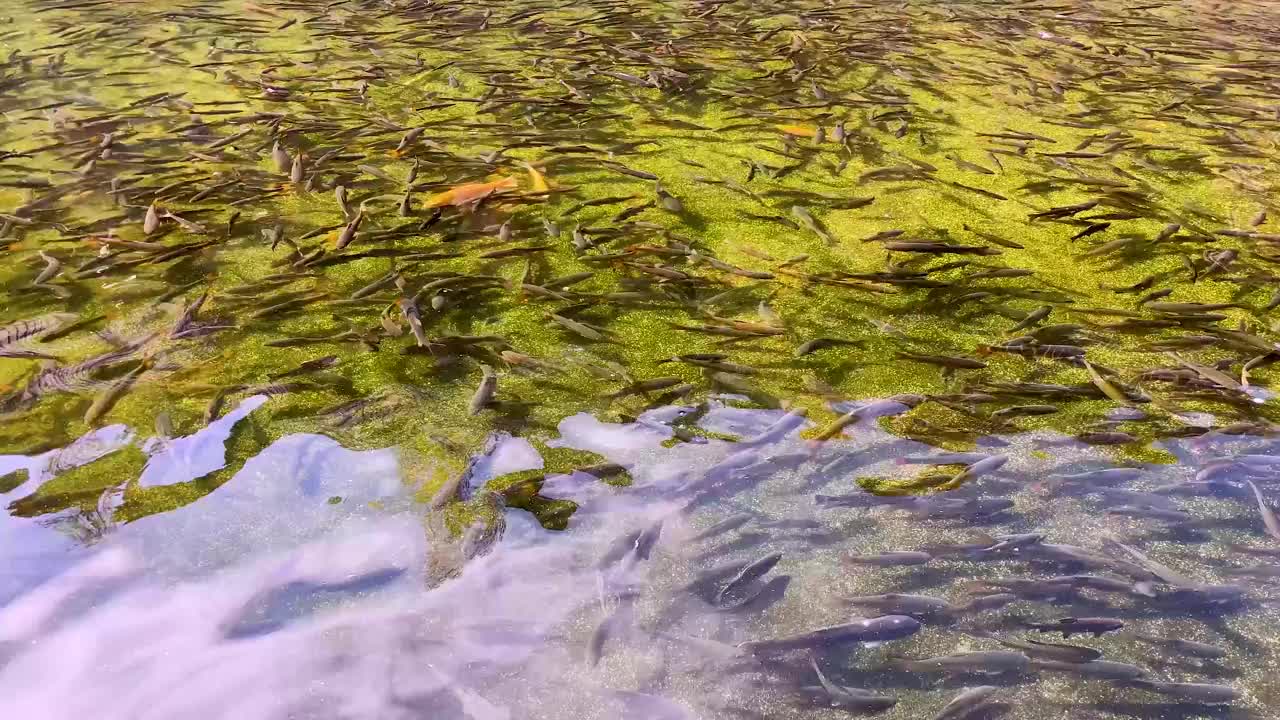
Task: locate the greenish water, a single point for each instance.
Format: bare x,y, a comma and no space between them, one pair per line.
1046,225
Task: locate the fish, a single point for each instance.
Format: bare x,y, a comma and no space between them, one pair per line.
1203,693
749,574
1052,651
810,223
1079,626
577,328
349,231
470,193
946,361
811,346
485,391
1183,646
903,604
281,159
987,662
151,222
310,366
1269,519
939,248
978,469
854,699
52,267
105,400
968,703
1101,669
729,524
891,559
1025,411
877,629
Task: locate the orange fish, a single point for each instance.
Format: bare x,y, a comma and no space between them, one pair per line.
470,192
798,130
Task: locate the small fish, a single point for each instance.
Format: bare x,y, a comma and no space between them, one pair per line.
968,703
946,361
309,366
348,233
823,342
981,661
1079,626
878,629
1184,647
667,201
1101,669
857,700
280,157
978,469
409,138
51,268
1269,519
1053,651
748,575
577,328
1203,693
1033,318
891,559
939,248
485,392
151,222
107,398
1092,229
805,218
298,171
1107,388
903,604
1025,410
646,386
733,522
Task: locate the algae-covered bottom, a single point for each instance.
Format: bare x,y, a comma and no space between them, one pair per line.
438,229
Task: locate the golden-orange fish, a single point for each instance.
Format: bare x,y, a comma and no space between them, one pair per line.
470,192
798,130
537,181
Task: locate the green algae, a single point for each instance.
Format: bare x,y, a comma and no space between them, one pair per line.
425,406
247,439
82,486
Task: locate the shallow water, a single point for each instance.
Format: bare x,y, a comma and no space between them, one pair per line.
252,469
265,599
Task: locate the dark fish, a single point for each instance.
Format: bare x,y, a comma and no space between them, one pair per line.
903,604
939,248
981,661
1053,651
1203,693
1079,626
946,361
857,700
1181,646
879,629
747,576
1101,669
891,559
